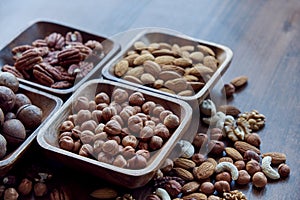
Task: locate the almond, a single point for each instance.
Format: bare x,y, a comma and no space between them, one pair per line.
147,78
152,67
104,193
195,196
229,110
177,85
184,174
200,70
242,147
184,163
205,170
132,79
168,75
121,68
175,68
239,81
277,158
183,62
136,71
233,153
142,58
164,60
190,187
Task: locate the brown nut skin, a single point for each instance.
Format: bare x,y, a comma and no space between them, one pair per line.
253,139
155,142
249,155
110,147
88,125
25,186
222,186
3,148
199,140
86,150
113,127
244,178
10,194
216,147
153,197
284,170
259,180
137,162
148,107
120,161
130,140
119,95
40,189
136,99
66,143
81,103
7,99
87,137
30,115
171,121
102,97
240,164
223,176
216,134
198,158
67,125
229,90
207,188
162,131
135,123
252,167
82,116
14,132
21,99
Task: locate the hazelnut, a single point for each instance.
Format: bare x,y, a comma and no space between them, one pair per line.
240,164
120,161
253,139
167,166
222,186
136,99
252,167
163,114
146,133
105,157
81,103
229,90
25,186
92,106
249,155
126,113
10,194
86,150
67,125
82,116
150,123
157,110
2,117
88,125
97,116
118,119
101,106
216,147
162,131
259,180
143,116
77,146
115,137
148,107
244,177
143,145
173,188
135,123
284,170
116,106
102,97
97,146
155,142
35,113
198,158
40,189
87,137
110,147
223,176
153,197
99,128
128,151
207,188
199,140
113,127
144,153
216,134
171,121
119,95
130,140
108,112
137,162
3,148
66,143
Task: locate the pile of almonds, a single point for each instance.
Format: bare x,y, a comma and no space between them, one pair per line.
122,129
172,68
227,154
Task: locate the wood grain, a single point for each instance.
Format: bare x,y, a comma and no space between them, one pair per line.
264,36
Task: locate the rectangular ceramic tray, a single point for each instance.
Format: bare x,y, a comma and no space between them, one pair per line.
129,178
39,30
148,36
49,105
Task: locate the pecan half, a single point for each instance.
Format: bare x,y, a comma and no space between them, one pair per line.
21,48
28,59
61,84
42,76
96,46
40,43
69,56
55,40
84,50
12,70
74,37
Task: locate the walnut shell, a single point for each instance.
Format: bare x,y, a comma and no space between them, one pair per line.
14,132
30,115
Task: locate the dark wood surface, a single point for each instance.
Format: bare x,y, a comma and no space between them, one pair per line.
263,35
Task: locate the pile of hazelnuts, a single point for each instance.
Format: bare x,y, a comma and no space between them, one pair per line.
123,129
18,116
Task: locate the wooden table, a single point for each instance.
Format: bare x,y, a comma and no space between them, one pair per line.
263,35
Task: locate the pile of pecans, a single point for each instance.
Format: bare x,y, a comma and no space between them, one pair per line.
172,68
220,160
56,60
122,129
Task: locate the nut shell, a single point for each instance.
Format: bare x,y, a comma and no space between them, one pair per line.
30,115
14,132
7,99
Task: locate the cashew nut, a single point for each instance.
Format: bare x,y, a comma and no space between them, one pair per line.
187,149
163,194
267,169
227,166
